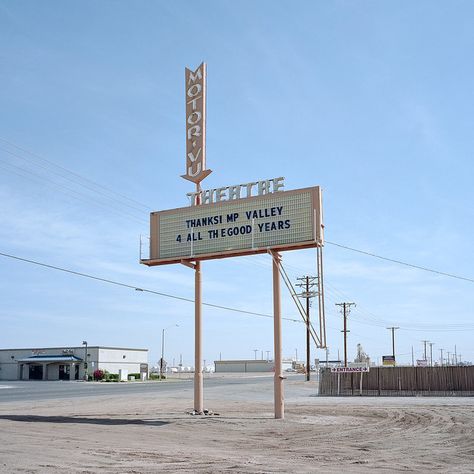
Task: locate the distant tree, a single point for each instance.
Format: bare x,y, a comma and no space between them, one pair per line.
165,364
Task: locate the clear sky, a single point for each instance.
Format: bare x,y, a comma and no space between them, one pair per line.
371,100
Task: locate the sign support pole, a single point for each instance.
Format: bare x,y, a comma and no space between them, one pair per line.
278,381
198,381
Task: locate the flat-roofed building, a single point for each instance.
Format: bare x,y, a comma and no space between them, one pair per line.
69,363
250,365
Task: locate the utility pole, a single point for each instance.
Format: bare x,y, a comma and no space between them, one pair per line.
255,350
393,328
424,352
431,344
307,282
162,353
346,308
162,360
86,366
412,357
455,355
447,359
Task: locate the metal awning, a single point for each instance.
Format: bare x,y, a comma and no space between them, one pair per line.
50,358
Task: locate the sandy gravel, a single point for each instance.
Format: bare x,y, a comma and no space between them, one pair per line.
152,433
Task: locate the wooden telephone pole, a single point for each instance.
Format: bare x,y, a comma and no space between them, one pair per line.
307,282
393,329
346,308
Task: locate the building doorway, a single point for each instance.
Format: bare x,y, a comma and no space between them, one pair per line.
35,372
64,372
76,372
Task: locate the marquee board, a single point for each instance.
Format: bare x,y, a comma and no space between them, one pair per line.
280,221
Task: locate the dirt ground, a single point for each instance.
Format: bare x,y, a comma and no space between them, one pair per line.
153,433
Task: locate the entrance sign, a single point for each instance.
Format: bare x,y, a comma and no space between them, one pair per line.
349,370
196,125
277,221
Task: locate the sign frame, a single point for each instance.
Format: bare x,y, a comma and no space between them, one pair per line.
317,226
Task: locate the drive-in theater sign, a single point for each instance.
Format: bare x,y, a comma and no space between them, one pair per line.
245,219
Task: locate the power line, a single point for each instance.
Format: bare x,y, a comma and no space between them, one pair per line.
400,262
373,320
67,178
74,177
68,174
137,288
70,191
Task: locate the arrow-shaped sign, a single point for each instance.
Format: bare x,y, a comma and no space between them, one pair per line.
196,125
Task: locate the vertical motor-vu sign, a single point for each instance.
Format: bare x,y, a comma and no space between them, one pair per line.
196,125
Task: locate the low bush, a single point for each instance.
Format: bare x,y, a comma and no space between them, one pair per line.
155,376
99,374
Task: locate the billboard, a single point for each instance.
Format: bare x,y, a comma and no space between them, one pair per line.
279,221
388,360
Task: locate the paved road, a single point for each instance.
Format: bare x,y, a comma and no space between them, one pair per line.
39,390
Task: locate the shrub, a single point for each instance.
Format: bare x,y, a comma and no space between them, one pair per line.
99,374
155,376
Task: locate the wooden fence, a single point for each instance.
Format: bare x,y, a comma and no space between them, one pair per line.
400,381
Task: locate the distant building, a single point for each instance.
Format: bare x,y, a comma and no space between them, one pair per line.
69,363
251,365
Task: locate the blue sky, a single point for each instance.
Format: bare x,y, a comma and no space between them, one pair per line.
370,100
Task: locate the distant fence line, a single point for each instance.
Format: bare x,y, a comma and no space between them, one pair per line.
400,381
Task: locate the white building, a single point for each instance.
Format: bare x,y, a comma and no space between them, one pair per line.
250,365
69,363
